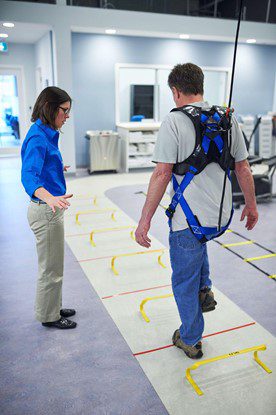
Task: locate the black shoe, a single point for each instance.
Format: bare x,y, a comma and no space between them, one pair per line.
193,352
67,312
207,301
198,346
62,323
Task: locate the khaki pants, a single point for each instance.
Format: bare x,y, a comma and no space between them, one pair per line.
49,232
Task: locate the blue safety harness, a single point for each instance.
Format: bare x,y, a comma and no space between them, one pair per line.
212,129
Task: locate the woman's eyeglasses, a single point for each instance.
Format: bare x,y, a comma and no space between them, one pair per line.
65,110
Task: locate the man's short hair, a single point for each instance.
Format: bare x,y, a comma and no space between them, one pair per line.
187,78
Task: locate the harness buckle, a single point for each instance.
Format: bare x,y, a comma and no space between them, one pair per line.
170,212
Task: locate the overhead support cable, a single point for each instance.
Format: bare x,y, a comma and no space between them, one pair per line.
229,108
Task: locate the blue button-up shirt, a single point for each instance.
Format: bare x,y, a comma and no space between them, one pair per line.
42,164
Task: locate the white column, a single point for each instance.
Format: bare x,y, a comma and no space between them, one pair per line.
62,57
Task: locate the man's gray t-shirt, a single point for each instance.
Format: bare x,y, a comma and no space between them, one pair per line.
176,142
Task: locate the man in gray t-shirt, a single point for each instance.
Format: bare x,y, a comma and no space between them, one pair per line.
176,141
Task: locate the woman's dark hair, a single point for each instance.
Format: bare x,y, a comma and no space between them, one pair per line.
187,78
47,104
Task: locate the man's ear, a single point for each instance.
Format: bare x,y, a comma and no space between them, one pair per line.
175,92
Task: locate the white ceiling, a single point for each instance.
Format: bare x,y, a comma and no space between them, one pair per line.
170,35
24,32
32,32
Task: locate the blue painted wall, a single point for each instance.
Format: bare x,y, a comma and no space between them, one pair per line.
94,57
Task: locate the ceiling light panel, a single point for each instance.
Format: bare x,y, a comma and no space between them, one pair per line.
110,31
184,36
8,24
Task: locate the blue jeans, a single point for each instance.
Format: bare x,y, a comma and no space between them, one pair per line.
190,266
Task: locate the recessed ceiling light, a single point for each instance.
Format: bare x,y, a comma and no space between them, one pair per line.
184,36
4,35
251,41
7,24
110,31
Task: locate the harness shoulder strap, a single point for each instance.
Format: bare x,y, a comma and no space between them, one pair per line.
194,114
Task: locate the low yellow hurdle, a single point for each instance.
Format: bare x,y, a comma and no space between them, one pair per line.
137,253
238,244
88,212
158,297
256,258
83,197
255,349
108,230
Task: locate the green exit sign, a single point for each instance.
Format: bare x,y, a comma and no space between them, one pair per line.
3,47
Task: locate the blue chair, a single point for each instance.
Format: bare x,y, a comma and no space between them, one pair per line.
137,118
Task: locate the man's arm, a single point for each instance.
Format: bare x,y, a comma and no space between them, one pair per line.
159,181
246,182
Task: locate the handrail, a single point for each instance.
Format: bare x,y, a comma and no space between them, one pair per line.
88,212
137,253
256,349
142,311
92,233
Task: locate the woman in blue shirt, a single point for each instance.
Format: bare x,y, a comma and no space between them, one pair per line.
43,179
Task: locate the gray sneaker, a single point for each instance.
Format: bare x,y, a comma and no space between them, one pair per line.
193,352
207,301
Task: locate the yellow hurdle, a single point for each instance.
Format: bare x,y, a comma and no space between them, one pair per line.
137,253
142,311
88,212
238,244
132,234
256,258
84,196
255,349
107,230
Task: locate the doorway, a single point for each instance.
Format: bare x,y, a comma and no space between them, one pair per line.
12,119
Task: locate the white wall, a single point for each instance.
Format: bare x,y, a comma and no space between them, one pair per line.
65,19
44,65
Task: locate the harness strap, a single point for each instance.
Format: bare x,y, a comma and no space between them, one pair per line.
178,195
202,233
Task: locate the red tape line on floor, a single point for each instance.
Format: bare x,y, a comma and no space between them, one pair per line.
95,259
204,337
136,291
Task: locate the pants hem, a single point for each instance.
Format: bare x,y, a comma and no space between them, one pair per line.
47,319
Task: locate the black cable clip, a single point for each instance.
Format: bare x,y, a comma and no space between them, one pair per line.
170,212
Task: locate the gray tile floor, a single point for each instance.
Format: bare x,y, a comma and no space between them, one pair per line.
91,370
86,371
249,288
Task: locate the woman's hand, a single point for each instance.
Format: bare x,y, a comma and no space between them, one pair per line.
58,201
65,168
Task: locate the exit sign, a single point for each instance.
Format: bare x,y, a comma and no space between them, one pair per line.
3,47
